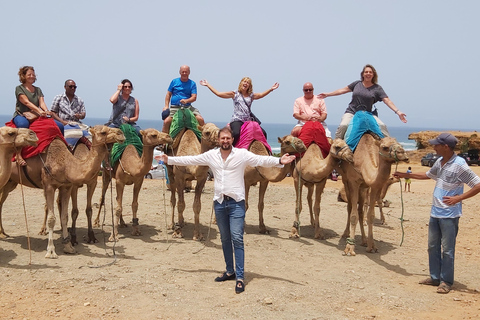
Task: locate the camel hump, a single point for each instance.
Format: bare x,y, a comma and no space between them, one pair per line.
259,148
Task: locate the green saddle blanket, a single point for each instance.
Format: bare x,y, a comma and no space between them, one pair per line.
131,137
184,118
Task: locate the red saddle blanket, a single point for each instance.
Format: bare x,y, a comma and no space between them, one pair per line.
251,131
314,132
46,130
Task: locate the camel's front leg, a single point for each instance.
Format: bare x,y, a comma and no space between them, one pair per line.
316,209
261,205
74,213
197,207
350,246
177,229
64,197
370,217
43,230
298,208
310,189
118,210
89,211
361,215
173,203
106,179
136,191
49,193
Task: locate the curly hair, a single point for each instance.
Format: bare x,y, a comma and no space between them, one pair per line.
250,89
375,75
22,72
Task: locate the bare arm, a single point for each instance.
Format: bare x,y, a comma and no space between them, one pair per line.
24,100
114,98
257,96
192,98
137,113
334,93
56,117
168,96
419,176
392,106
224,95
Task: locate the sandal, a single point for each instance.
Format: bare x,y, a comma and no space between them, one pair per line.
225,276
240,287
21,162
443,288
429,282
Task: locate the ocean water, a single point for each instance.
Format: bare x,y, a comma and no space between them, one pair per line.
275,130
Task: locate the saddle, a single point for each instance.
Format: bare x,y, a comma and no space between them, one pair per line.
314,132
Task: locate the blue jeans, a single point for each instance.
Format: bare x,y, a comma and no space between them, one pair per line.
442,234
22,122
230,217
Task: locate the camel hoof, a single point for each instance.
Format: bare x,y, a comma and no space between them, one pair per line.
42,232
51,254
68,248
264,231
320,236
113,238
199,238
349,250
96,223
91,237
136,232
177,234
372,250
294,236
4,235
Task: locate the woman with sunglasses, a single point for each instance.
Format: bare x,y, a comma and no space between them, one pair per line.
125,107
365,93
242,103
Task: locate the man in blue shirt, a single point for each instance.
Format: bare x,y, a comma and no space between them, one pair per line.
181,93
450,172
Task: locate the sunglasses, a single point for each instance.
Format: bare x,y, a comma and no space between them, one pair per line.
307,90
127,87
72,87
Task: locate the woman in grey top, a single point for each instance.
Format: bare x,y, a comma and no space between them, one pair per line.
125,107
242,103
365,93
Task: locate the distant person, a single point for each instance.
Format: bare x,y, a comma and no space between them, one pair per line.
30,103
309,108
228,165
242,104
408,181
125,107
450,172
182,92
365,93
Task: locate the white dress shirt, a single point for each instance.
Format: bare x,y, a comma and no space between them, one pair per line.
228,174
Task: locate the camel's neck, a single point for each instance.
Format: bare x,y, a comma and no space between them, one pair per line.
146,159
5,164
275,174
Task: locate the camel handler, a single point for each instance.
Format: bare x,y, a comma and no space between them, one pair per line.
228,166
450,172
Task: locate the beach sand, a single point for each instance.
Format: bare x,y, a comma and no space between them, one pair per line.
154,276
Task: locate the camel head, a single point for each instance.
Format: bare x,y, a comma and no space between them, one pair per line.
210,134
341,151
290,144
153,137
105,135
18,137
391,150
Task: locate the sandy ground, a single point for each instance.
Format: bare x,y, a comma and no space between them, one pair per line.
153,276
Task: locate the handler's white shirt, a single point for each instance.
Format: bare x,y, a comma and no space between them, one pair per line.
228,174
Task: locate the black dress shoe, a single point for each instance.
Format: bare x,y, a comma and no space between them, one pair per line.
225,277
240,286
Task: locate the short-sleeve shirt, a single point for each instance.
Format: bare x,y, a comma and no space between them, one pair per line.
122,108
33,97
363,98
310,107
67,109
181,90
449,182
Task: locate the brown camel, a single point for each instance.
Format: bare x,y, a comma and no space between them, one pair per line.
370,169
342,196
58,168
288,144
312,171
187,144
11,141
131,169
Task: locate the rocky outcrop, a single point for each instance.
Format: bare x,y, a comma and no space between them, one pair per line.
466,140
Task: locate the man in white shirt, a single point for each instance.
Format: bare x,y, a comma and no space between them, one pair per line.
228,165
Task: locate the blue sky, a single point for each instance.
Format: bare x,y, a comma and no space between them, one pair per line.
426,53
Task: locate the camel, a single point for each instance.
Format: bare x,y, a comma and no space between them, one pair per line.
288,144
11,140
58,168
371,168
131,169
342,196
187,144
312,171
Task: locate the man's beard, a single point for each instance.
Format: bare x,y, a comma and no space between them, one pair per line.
226,146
